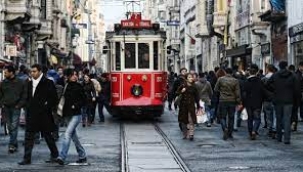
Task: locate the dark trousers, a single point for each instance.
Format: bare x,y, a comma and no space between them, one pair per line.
283,113
254,119
227,115
294,114
93,112
30,141
102,102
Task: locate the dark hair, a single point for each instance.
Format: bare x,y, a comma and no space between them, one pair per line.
291,67
69,72
183,68
271,68
217,68
10,68
228,70
253,69
201,75
283,64
38,66
22,69
221,72
301,63
261,71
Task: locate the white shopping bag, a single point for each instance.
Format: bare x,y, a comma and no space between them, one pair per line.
244,115
201,116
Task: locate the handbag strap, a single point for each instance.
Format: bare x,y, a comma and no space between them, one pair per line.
64,90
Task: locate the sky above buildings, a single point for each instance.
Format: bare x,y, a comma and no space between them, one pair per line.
114,11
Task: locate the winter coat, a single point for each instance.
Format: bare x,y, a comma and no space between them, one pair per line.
13,92
39,107
285,86
90,92
229,89
269,96
205,91
187,103
180,81
253,93
74,99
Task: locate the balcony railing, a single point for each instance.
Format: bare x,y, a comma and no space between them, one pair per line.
256,23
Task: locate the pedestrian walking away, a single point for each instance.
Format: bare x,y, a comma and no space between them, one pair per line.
74,101
42,94
12,99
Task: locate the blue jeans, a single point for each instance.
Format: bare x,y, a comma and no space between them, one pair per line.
254,119
12,116
227,109
269,110
71,134
283,113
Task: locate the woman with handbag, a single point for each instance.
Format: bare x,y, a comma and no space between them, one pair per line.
187,116
74,101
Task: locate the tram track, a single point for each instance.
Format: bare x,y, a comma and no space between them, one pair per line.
162,139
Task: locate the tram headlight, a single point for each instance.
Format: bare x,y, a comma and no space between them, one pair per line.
137,90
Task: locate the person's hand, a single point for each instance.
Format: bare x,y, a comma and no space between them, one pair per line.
183,90
94,99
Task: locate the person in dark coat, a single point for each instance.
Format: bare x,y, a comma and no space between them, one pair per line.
74,101
104,97
187,111
181,80
253,96
90,98
286,92
41,100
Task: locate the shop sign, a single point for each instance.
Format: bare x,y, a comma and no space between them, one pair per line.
296,38
11,50
293,31
265,48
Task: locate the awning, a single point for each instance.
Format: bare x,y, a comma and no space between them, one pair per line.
238,51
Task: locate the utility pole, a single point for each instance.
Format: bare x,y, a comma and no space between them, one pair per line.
89,41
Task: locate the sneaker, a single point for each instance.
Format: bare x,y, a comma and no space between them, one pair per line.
12,149
253,136
208,125
51,160
24,162
81,161
60,161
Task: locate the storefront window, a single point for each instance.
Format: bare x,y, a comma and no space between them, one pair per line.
298,48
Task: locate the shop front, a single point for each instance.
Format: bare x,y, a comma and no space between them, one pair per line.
296,43
239,58
266,57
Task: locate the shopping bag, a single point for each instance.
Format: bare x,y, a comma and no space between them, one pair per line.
22,120
201,116
244,115
178,100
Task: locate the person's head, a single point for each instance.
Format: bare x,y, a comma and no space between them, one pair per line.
183,71
36,71
86,78
202,75
229,71
301,66
253,70
9,71
270,68
72,75
221,72
60,71
22,69
260,72
216,69
283,65
292,68
189,78
103,76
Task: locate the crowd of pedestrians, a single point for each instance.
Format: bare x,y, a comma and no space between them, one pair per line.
227,94
38,92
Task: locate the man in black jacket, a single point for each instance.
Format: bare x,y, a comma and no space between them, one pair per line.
285,86
253,95
42,99
12,99
294,118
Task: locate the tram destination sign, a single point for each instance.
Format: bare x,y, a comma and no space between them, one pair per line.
136,22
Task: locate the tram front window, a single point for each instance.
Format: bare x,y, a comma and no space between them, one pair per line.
130,55
143,56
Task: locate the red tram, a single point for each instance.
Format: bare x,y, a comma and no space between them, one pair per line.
137,67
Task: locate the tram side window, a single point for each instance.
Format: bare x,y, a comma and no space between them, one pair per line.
130,55
156,58
143,55
118,56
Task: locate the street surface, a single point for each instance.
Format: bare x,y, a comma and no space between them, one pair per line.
207,153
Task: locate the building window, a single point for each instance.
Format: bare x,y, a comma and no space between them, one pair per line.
43,9
298,47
